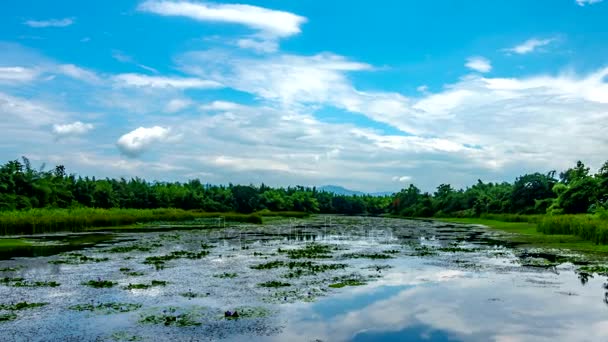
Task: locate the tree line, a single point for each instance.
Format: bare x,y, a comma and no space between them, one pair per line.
573,191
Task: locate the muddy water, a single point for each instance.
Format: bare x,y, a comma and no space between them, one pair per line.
351,279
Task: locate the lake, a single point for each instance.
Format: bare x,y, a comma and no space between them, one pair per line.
327,278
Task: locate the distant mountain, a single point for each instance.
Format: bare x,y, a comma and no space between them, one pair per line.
339,190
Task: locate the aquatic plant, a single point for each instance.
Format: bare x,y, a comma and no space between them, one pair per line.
153,283
457,250
99,283
131,248
274,284
347,282
20,282
21,306
7,317
191,294
226,275
170,317
125,336
10,269
76,258
159,261
269,265
310,251
106,307
591,269
372,256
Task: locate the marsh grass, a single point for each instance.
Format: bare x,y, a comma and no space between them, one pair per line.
36,221
586,227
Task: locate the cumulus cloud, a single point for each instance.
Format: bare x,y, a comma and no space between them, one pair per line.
478,63
145,81
587,2
79,73
267,21
49,23
530,45
139,140
72,129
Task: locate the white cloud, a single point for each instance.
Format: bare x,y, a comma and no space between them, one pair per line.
176,105
587,2
50,23
139,140
145,81
479,63
72,129
259,45
268,22
17,74
79,73
402,179
530,45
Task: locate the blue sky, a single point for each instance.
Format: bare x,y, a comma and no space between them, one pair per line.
368,95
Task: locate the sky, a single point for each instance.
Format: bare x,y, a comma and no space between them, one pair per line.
369,95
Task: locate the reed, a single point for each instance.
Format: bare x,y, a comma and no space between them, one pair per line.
587,227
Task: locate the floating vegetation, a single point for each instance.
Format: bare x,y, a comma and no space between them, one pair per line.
159,261
247,312
10,269
99,283
76,258
132,248
457,250
274,284
171,317
378,268
391,251
191,295
207,246
20,282
130,272
226,275
372,256
424,251
106,308
153,283
347,282
269,265
291,296
125,336
591,269
310,251
21,306
8,317
309,268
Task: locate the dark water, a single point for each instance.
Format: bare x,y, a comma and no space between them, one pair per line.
471,290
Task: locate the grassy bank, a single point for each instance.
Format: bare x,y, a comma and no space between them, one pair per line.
38,221
13,243
527,233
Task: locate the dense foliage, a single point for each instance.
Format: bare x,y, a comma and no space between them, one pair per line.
576,191
23,187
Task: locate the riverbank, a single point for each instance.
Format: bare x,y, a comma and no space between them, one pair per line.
526,234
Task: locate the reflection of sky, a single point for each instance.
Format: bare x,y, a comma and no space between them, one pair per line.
454,305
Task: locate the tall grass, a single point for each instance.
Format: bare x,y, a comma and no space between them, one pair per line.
584,226
55,220
512,217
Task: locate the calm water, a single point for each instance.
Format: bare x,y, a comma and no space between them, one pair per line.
442,283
